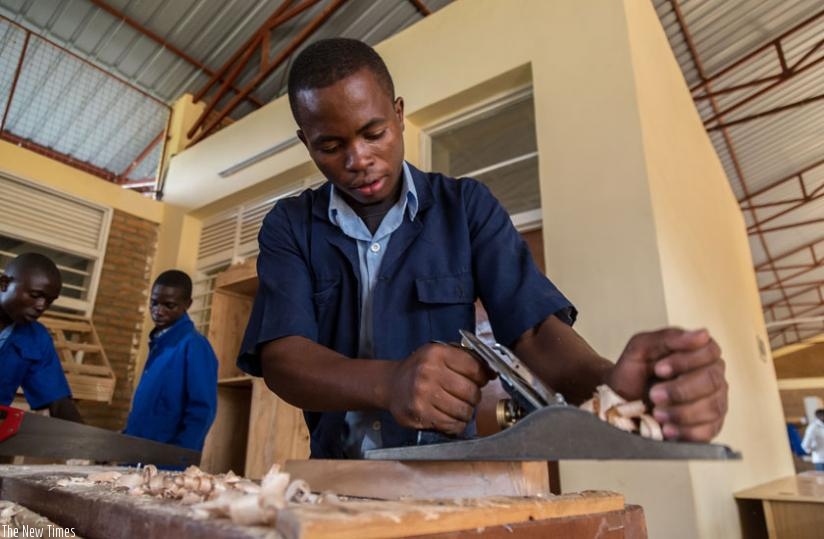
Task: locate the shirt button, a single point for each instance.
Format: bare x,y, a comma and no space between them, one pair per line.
376,425
375,247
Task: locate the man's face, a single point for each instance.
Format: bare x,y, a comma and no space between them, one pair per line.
24,297
168,304
354,133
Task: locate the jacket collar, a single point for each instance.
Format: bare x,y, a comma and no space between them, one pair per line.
175,332
24,338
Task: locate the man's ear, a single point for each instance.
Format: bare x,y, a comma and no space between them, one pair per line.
188,303
302,137
398,106
4,282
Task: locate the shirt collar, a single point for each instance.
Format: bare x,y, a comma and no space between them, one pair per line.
182,324
409,197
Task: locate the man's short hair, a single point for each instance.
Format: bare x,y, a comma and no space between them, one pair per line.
175,279
33,263
327,61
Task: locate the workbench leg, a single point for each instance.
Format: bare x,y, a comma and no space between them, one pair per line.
769,518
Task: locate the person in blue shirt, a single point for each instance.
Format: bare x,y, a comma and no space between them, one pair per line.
361,277
28,286
176,399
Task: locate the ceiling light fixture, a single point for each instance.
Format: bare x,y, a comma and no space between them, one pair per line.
260,156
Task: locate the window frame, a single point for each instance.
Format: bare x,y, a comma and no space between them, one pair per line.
97,256
523,221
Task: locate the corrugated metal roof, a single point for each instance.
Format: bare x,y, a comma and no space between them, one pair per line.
727,37
64,105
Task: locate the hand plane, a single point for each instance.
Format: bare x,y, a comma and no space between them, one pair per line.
542,426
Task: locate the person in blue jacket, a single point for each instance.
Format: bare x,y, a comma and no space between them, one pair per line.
176,399
28,286
360,278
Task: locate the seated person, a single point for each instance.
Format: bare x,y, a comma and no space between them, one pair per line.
176,399
28,286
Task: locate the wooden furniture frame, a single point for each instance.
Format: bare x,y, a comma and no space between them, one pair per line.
254,428
788,508
82,356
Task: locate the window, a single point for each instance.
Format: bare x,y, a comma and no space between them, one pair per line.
230,237
72,232
202,287
495,144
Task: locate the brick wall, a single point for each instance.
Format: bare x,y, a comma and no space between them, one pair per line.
122,300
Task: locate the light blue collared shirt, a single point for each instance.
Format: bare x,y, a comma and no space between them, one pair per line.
364,427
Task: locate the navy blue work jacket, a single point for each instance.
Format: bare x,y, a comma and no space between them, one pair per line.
28,359
461,246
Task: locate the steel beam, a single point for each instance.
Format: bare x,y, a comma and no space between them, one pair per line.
57,156
421,7
706,85
17,71
749,56
160,40
296,42
765,113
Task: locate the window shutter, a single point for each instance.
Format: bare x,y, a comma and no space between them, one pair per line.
38,214
217,239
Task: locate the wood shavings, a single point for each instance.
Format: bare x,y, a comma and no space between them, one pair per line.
224,495
103,477
74,481
631,416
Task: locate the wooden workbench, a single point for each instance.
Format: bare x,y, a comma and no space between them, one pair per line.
788,508
100,511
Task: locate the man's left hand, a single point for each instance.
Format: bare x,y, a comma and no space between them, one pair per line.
684,374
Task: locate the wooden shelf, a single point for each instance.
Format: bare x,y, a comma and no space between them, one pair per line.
240,381
253,428
239,278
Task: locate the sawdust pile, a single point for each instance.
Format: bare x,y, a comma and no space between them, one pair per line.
214,495
631,416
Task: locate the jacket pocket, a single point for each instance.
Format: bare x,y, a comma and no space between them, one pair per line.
449,304
448,289
329,290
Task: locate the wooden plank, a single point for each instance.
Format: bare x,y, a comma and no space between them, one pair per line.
229,316
224,448
277,431
65,325
245,381
77,346
104,359
770,519
66,356
394,519
804,487
84,368
95,388
626,524
98,511
794,520
241,278
393,480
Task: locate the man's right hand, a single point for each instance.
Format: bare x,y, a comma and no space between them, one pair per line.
437,388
